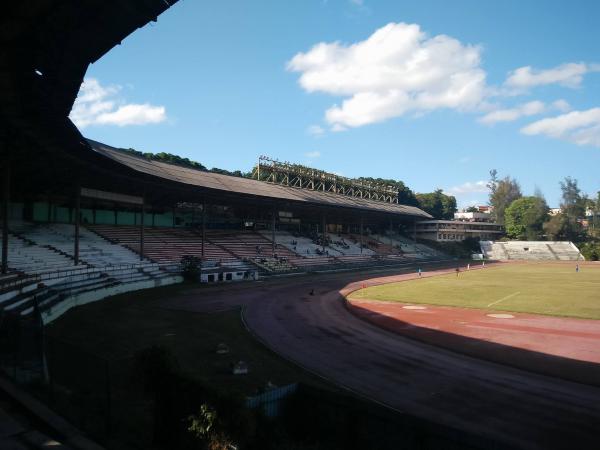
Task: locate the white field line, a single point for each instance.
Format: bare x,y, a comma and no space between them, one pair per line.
504,298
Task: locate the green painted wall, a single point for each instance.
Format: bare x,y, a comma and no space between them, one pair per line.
40,211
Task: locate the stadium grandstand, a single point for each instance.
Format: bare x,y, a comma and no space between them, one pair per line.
82,220
105,221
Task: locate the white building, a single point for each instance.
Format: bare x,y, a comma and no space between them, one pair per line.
458,230
473,216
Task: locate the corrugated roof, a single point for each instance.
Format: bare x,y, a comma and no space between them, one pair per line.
245,186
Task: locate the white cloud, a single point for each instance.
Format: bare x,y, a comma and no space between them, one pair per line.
101,105
524,110
568,75
315,130
579,127
561,105
313,155
396,71
468,188
511,114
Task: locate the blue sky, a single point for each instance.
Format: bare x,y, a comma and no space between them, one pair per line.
433,93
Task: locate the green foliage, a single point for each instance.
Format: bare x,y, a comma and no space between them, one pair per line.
590,251
190,266
502,193
556,227
572,208
235,173
472,209
206,428
170,158
525,217
438,204
179,421
202,424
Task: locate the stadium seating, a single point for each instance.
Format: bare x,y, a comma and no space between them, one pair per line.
565,251
301,245
166,245
245,244
43,270
531,250
406,247
348,245
93,249
27,256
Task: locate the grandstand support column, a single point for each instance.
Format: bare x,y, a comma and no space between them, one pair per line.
361,235
143,208
77,220
5,200
203,232
274,245
49,215
324,233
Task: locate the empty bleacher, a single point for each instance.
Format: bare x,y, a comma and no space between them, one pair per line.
28,256
407,247
531,250
344,250
93,249
565,251
247,244
166,245
349,245
301,245
43,271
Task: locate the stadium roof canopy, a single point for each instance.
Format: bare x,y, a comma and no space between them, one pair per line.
47,46
244,187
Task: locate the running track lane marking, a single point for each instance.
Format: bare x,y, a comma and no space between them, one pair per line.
504,298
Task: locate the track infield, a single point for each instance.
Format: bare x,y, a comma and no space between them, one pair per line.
554,289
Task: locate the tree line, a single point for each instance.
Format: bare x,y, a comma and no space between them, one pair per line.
529,218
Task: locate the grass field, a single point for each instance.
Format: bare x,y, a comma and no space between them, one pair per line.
540,288
115,329
103,337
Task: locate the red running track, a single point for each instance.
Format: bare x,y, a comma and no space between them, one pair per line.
488,334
